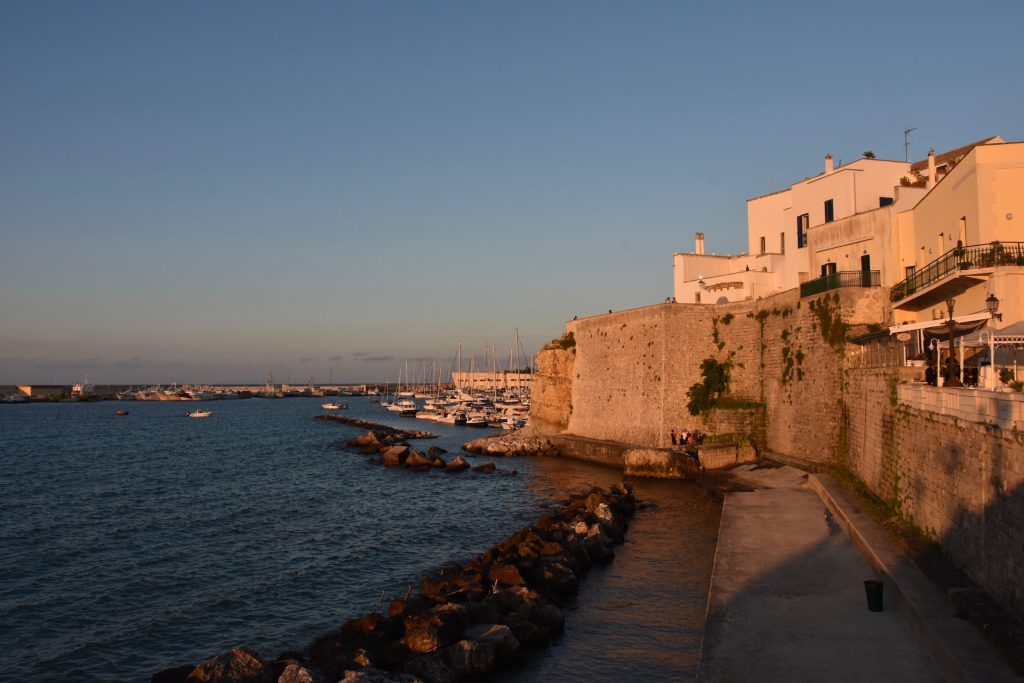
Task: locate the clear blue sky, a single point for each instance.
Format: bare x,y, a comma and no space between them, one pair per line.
204,191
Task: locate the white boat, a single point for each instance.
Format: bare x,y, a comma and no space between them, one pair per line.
407,407
200,413
332,406
476,421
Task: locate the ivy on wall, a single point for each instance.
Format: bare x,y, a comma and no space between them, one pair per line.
705,394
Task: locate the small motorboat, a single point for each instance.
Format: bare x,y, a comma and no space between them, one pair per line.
333,406
201,413
120,412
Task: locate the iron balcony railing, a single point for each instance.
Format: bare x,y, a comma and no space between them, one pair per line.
842,278
957,259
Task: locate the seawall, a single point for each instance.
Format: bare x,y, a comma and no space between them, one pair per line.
798,396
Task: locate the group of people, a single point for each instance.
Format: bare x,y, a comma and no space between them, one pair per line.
670,299
687,438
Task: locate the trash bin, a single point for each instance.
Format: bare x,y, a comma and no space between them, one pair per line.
873,588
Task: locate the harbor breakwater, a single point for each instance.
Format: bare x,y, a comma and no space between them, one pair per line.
467,620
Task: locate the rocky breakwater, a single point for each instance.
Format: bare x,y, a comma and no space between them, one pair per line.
389,451
383,431
514,444
466,622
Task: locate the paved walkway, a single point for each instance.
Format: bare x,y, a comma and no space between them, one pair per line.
787,598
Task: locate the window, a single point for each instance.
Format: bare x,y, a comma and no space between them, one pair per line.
884,201
828,269
963,231
909,271
829,212
696,297
803,221
782,243
762,245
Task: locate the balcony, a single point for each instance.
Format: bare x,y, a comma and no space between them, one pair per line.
953,273
843,278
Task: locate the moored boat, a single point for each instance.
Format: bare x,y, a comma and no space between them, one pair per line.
200,413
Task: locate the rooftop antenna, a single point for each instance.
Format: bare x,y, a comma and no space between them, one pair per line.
906,143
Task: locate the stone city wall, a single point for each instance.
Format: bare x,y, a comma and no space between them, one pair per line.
960,482
631,370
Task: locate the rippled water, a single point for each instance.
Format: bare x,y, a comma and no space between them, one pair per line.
131,544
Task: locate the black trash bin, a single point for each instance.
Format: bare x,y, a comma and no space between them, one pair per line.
873,588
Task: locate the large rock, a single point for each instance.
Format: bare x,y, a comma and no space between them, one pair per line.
472,660
486,467
238,665
432,668
505,574
418,461
395,456
436,450
296,673
500,636
457,464
367,439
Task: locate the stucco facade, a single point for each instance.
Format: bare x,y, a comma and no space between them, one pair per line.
861,217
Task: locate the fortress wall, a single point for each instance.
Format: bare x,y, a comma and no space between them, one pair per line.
961,483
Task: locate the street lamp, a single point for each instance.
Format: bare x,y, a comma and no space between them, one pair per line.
934,344
992,303
953,381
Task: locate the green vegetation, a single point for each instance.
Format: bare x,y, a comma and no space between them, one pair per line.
567,341
1006,375
727,318
705,394
830,322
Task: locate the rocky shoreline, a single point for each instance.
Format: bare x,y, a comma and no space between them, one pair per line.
386,432
387,451
509,445
466,622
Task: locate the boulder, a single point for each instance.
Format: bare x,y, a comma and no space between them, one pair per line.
418,461
486,467
500,636
238,665
438,462
436,450
560,578
505,574
458,464
472,660
296,673
367,439
431,668
422,635
395,456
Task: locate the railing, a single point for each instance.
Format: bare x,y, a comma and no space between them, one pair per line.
957,259
843,278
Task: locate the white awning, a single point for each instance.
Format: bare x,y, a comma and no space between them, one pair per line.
969,318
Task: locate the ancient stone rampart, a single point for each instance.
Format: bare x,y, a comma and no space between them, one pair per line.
960,482
631,371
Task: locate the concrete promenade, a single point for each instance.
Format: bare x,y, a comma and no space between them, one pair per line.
787,598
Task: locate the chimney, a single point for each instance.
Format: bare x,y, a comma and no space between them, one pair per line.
828,164
700,244
931,169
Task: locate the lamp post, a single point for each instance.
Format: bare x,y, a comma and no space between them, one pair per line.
934,344
990,380
992,304
952,381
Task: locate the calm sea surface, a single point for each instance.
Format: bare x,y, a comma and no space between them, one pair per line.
132,544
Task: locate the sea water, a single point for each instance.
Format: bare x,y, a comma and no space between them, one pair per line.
136,543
